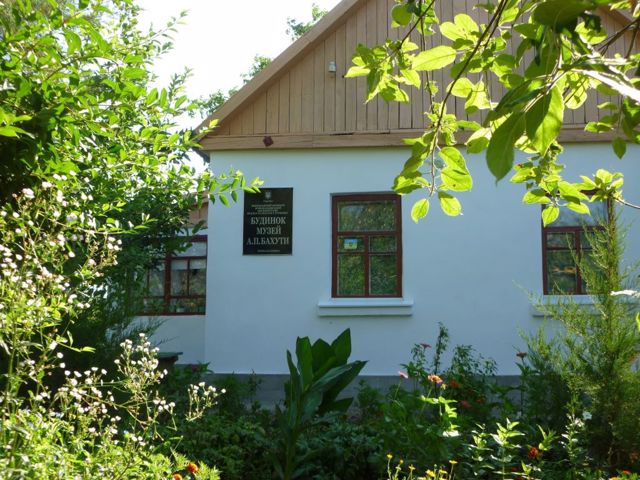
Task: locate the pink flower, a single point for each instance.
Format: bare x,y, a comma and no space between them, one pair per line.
434,379
403,374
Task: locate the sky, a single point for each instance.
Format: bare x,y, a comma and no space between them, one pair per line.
219,38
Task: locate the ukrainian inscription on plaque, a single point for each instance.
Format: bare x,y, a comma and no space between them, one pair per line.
267,222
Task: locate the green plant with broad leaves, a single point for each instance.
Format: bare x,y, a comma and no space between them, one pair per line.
321,373
547,55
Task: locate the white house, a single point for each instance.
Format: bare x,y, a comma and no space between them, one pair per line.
329,247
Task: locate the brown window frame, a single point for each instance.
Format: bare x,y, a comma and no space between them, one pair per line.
167,297
336,199
576,249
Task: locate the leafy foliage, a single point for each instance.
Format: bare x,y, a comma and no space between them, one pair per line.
547,55
297,28
592,357
315,382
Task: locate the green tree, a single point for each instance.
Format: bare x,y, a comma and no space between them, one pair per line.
297,28
78,114
549,55
592,352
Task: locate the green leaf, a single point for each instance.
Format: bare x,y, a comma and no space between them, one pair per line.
581,208
500,152
357,71
559,13
455,176
420,209
462,88
401,15
412,77
544,120
434,59
449,204
478,141
536,196
619,147
477,99
550,214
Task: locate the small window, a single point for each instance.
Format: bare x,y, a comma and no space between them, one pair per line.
563,241
177,285
367,246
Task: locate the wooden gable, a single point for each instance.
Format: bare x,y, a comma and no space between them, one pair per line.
297,102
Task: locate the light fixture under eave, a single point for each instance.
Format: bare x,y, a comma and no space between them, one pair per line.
332,67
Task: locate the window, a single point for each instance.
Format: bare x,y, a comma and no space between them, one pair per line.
367,246
563,241
178,283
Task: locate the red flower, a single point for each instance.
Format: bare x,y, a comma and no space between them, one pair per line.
453,383
177,476
192,467
626,472
534,453
521,355
465,404
433,378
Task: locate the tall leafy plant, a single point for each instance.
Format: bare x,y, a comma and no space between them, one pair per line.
316,380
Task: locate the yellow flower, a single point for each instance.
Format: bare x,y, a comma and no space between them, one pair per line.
453,462
431,473
389,456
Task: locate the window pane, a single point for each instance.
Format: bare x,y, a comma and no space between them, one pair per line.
350,275
384,275
382,244
367,216
560,240
350,244
153,305
179,277
187,305
561,272
197,249
198,280
155,287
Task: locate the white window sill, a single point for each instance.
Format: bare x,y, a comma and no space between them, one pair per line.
584,300
365,307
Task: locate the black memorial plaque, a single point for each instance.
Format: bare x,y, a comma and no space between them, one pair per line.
267,222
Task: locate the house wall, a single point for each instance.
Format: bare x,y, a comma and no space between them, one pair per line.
473,273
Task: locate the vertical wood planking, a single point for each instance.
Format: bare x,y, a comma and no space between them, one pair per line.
319,72
307,93
350,84
247,120
284,105
371,39
235,125
330,84
260,114
295,99
361,83
273,107
341,65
